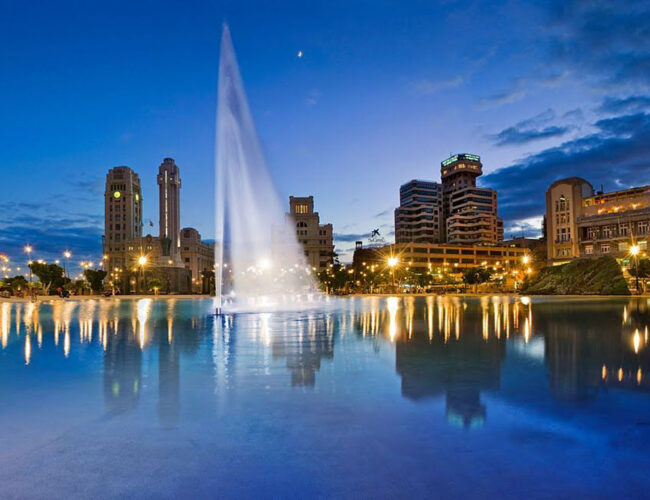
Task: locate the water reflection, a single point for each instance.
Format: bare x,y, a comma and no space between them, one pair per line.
442,347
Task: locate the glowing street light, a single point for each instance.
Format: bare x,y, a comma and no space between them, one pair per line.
634,252
526,259
66,255
393,261
28,250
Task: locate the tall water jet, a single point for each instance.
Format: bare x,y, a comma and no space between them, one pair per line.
259,262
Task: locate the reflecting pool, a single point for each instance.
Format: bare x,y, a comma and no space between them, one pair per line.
372,397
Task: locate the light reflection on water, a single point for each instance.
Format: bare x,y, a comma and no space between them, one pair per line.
471,363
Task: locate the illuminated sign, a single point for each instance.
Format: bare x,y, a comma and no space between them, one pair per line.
455,158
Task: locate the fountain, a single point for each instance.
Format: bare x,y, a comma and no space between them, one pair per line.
259,262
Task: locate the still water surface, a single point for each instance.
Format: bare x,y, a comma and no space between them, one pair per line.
377,397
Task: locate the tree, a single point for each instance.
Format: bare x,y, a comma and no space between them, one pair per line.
50,275
154,285
476,276
640,269
95,278
78,286
16,284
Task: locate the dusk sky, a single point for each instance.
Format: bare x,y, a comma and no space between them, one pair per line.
384,91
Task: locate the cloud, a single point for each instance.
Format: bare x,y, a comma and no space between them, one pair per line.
514,94
515,136
529,130
617,154
384,213
348,237
50,229
609,41
629,104
313,97
425,86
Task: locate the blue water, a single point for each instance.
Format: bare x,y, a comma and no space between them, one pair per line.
378,397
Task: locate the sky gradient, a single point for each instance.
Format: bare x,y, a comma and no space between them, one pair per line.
385,90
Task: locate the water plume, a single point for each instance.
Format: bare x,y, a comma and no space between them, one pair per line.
259,262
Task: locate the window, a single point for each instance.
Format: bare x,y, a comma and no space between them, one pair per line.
604,249
607,232
302,208
643,227
589,249
301,224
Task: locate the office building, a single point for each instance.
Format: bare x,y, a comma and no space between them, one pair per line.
454,211
315,238
419,217
584,223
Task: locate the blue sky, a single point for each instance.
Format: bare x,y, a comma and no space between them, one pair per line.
384,92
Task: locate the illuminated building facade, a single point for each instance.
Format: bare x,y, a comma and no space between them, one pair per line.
317,239
454,211
584,223
122,212
174,261
169,204
470,212
419,215
197,256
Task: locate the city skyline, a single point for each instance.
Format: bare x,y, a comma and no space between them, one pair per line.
534,104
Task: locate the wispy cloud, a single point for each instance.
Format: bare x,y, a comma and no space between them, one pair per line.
629,104
529,130
426,86
618,153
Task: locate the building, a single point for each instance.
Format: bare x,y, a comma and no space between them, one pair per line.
470,211
430,256
454,211
197,256
122,213
169,192
132,259
584,223
419,216
317,239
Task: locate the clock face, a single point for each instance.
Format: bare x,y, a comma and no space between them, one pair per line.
117,194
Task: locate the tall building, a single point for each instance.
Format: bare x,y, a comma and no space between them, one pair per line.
317,239
455,211
169,192
470,212
122,212
175,261
419,217
584,223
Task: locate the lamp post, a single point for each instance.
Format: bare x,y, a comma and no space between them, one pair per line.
392,262
634,252
66,255
28,250
142,261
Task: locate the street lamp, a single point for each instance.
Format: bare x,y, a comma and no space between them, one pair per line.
66,255
634,252
28,250
142,261
392,262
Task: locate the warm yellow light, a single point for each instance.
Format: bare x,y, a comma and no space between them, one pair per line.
142,260
28,249
526,259
67,254
634,250
393,261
